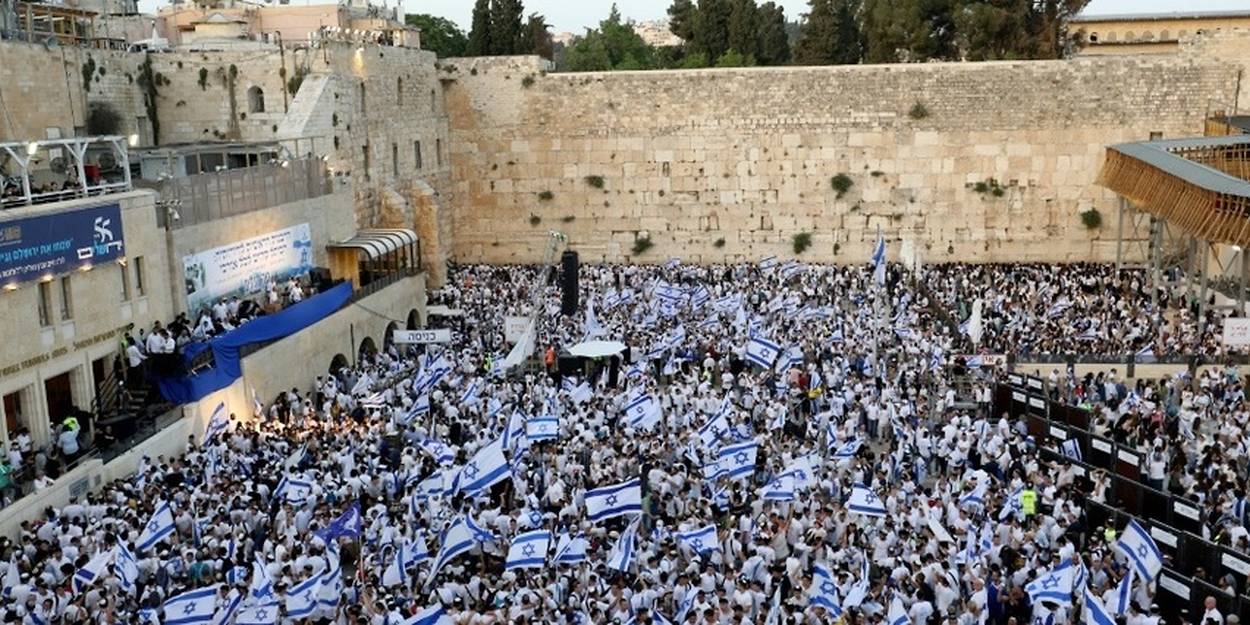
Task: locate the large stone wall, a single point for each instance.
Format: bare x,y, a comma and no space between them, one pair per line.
731,164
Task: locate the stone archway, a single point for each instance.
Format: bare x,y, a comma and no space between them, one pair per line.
337,363
414,321
388,336
368,349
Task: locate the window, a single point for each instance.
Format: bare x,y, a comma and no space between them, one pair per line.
416,153
255,100
364,149
438,151
140,287
67,300
1155,135
399,91
395,159
1093,37
45,303
125,282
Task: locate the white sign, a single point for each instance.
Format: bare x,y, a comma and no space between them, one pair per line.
514,328
245,268
1236,331
1163,536
411,337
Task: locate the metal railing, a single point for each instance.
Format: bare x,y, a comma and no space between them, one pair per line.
202,198
1177,524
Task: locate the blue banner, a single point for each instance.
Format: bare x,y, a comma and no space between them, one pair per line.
46,245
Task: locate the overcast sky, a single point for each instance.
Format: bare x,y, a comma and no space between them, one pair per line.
574,15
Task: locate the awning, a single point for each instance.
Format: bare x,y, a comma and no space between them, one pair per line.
377,242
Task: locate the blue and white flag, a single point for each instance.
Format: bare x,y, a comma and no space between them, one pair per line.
762,352
768,262
1055,585
780,489
90,572
227,613
865,502
419,408
792,357
125,567
514,431
801,470
716,427
738,461
528,550
1095,613
570,549
347,524
976,496
545,428
219,423
260,590
263,614
848,449
643,413
459,539
824,591
613,501
302,599
488,467
625,549
878,261
470,394
703,540
897,614
157,529
1140,549
194,606
581,393
1012,506
438,450
293,490
1123,593
1071,448
433,615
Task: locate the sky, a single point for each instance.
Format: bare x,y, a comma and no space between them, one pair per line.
575,15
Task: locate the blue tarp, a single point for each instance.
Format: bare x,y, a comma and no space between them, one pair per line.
227,366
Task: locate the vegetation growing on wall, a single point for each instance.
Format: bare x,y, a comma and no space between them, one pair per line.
642,243
535,220
841,183
103,119
595,181
88,71
918,111
546,195
801,242
1091,218
203,79
990,186
150,81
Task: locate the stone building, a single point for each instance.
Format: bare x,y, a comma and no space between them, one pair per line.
1149,33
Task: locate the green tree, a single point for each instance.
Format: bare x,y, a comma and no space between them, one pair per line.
733,58
994,30
479,33
908,30
681,19
774,43
538,36
830,34
696,60
439,34
711,32
612,46
742,29
507,32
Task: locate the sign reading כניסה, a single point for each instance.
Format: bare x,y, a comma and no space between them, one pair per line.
1236,331
36,247
409,337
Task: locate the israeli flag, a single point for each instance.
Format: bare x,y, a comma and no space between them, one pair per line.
487,468
1054,585
419,408
1058,308
471,392
542,429
738,461
791,269
347,524
878,260
227,613
125,567
219,423
528,550
1123,593
514,431
90,572
433,615
613,501
1095,613
459,539
716,427
643,413
768,262
824,592
1012,505
581,393
713,471
260,590
848,449
720,498
976,496
158,527
265,614
897,614
571,549
415,550
793,357
762,352
301,600
438,450
624,552
293,490
865,502
1140,549
780,489
195,606
635,370
801,471
1071,448
699,297
257,405
702,541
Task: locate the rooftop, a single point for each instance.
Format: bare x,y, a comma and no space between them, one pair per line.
1154,17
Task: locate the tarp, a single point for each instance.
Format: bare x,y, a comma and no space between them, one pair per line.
597,349
227,366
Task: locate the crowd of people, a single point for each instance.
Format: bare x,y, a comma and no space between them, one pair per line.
779,443
1078,309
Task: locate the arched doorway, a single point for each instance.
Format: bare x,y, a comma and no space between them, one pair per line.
367,350
388,339
412,320
338,362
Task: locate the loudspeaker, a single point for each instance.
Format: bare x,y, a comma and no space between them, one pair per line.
568,283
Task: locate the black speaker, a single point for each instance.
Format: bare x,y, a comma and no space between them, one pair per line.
568,282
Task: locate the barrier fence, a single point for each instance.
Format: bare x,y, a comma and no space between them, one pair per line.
1193,564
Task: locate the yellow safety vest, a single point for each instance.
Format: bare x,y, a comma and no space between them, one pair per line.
1028,502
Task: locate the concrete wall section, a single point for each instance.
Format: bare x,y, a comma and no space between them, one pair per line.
747,156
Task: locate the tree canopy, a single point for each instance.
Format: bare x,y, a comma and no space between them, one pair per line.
439,34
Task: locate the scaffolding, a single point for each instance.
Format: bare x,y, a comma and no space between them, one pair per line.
82,177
